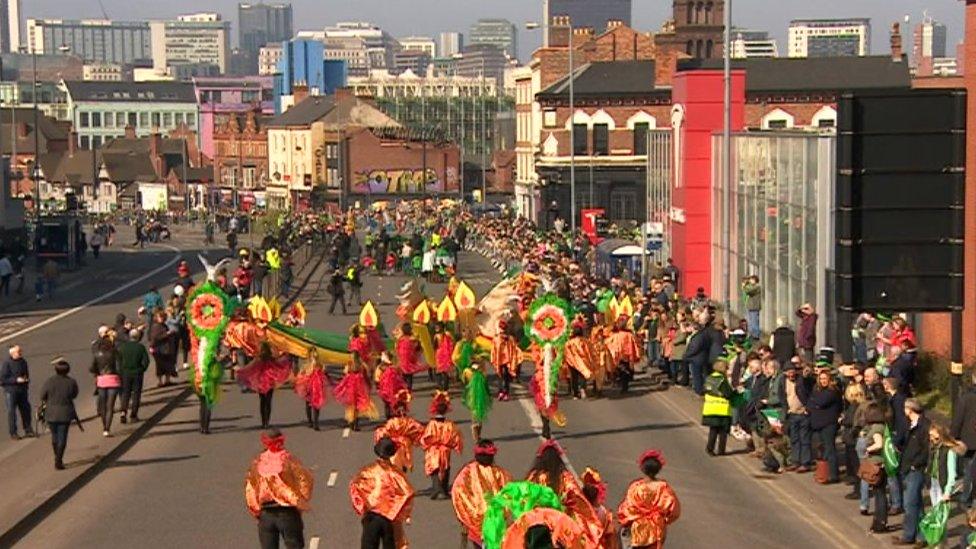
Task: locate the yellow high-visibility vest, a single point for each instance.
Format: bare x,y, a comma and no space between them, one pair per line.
716,405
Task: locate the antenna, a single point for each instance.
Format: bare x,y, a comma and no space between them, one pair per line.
102,7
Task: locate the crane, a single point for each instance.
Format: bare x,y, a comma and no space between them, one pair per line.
102,7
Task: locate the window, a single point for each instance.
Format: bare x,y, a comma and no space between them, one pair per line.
167,120
826,123
191,119
549,118
109,120
83,120
144,120
133,119
776,124
155,119
178,118
96,142
85,142
120,119
709,46
640,138
601,139
580,139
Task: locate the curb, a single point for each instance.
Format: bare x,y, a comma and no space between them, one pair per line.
35,517
25,525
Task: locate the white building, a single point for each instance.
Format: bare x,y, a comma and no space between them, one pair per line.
829,37
103,72
10,29
381,83
749,43
528,138
351,39
425,44
268,58
451,43
200,38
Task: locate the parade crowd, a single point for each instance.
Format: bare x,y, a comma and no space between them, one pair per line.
785,400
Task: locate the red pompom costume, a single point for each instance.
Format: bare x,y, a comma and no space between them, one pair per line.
312,385
264,375
390,383
353,393
408,355
445,350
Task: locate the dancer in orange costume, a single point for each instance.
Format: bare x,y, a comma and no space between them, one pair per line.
603,365
383,497
545,527
389,383
595,491
277,489
444,342
550,470
475,485
625,350
579,358
263,375
505,357
353,393
440,438
402,429
650,505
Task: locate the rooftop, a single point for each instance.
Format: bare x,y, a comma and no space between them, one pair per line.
311,109
765,75
608,78
160,92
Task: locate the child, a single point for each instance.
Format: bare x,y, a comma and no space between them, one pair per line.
353,393
402,429
389,383
504,357
391,263
311,384
440,437
595,492
650,504
408,354
444,342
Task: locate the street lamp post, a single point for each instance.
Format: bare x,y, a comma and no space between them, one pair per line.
572,116
727,168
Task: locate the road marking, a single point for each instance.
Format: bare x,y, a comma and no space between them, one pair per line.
332,478
536,423
811,517
345,433
97,300
314,544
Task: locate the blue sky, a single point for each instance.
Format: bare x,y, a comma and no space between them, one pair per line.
429,17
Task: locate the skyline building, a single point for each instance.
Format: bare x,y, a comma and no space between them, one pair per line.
500,33
830,37
261,24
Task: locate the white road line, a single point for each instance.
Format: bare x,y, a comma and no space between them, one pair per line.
345,433
314,544
536,422
332,478
802,507
97,300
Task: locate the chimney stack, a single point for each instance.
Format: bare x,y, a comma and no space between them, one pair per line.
21,130
299,91
896,44
72,142
155,144
130,132
614,23
343,94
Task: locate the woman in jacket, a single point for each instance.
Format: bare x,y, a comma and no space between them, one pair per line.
717,408
107,380
944,454
58,399
824,406
871,444
162,346
852,422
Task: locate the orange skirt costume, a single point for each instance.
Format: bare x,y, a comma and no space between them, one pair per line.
566,532
439,439
575,503
383,489
505,354
623,347
473,488
405,431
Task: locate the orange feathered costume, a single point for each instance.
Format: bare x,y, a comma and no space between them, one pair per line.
566,532
278,477
439,439
383,489
575,503
579,356
648,508
405,431
473,488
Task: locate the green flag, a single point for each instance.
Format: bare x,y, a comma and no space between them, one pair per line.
889,453
933,523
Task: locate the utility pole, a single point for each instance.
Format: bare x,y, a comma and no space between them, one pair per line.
727,169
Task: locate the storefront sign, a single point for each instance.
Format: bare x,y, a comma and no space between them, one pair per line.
397,182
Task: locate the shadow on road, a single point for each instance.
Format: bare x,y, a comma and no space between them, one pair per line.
150,461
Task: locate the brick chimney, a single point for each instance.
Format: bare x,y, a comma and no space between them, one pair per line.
343,94
582,35
299,91
21,130
614,23
896,48
559,31
72,142
130,132
155,149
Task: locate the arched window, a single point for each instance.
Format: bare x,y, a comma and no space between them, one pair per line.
700,13
698,49
708,49
689,8
691,47
708,14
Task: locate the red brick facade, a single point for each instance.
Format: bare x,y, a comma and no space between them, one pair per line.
390,167
241,152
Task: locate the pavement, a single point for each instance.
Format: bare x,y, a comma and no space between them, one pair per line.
173,486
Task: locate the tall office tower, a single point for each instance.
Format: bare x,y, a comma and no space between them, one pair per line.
500,33
451,43
262,24
9,25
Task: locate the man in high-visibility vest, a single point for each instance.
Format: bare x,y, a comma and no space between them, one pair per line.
273,259
717,408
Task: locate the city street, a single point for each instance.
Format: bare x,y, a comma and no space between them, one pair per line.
176,487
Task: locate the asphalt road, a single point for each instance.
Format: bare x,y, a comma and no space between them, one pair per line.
177,488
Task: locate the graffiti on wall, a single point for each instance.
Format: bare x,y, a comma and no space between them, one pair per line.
397,182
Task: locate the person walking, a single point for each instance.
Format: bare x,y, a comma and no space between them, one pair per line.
355,278
6,273
277,490
96,242
48,279
871,448
162,346
717,408
476,483
824,406
15,378
107,379
752,293
337,291
133,361
58,396
382,496
913,468
650,504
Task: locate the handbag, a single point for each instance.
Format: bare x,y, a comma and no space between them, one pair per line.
870,472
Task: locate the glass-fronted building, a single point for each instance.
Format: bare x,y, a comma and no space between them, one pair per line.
781,222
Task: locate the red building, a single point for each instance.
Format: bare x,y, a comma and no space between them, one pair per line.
241,152
390,163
